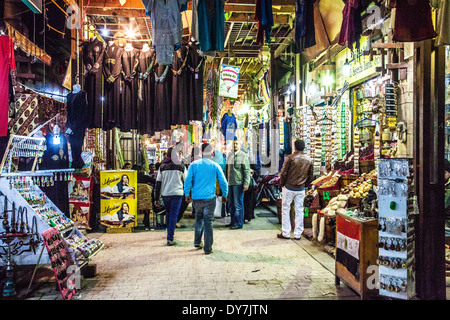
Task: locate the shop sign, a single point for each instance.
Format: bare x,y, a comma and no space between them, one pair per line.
80,193
229,81
361,67
118,201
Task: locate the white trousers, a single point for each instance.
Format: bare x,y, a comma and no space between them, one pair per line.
298,198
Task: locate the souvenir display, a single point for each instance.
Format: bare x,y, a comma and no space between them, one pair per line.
395,229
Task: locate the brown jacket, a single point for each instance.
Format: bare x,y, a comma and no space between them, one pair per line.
297,171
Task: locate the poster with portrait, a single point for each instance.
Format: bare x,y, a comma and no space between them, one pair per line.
118,201
80,201
229,81
118,213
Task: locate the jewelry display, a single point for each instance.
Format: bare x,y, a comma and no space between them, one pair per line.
395,222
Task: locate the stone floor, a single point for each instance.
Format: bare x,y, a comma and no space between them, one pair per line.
247,264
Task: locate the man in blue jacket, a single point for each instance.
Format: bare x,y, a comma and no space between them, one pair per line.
200,189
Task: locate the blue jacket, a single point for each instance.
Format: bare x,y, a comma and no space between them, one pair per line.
201,179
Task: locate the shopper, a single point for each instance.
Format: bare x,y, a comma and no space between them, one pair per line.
296,175
200,188
126,166
238,174
169,185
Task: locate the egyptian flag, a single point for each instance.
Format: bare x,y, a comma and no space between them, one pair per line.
347,245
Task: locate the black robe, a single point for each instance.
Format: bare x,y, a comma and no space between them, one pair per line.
77,120
195,79
180,84
163,98
128,107
146,95
112,68
93,52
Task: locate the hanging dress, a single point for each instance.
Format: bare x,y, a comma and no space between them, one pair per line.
413,21
195,66
167,27
211,25
351,27
93,52
7,64
305,32
163,98
264,16
146,97
180,84
77,120
112,68
128,106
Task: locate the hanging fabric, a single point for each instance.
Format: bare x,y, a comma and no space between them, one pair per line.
305,32
129,96
25,114
351,27
112,68
163,98
7,68
77,120
92,53
264,16
180,85
195,66
211,25
167,27
413,20
146,91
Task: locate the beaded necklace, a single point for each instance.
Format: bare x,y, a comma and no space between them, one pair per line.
178,72
163,76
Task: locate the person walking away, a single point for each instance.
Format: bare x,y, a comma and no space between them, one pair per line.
200,189
238,173
169,186
296,175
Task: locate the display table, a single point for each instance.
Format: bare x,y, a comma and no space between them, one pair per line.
356,250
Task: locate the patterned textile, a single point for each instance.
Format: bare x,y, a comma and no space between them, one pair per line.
24,115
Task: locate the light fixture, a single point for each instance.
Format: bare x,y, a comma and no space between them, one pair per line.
56,133
328,79
105,32
130,33
346,69
293,87
312,89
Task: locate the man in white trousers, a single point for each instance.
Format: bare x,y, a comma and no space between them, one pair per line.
296,175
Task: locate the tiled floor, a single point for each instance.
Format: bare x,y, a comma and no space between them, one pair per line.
250,263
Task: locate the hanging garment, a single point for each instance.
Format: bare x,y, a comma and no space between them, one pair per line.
77,120
305,32
264,16
229,125
351,27
167,27
146,91
442,22
194,21
7,64
26,114
112,68
211,25
163,98
179,87
195,66
128,106
413,21
93,52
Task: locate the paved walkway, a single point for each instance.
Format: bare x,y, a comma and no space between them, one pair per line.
250,263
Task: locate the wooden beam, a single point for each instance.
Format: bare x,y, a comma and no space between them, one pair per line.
116,12
400,65
380,45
